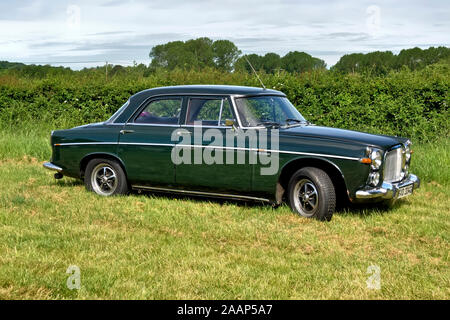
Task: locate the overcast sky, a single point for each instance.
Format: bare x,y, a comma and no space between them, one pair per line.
88,32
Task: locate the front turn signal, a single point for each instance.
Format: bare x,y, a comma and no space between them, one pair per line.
365,160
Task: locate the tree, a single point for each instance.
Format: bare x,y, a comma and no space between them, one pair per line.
200,52
417,58
195,54
349,63
242,64
271,62
295,61
380,63
225,54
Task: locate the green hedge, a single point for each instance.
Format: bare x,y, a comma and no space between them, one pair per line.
412,104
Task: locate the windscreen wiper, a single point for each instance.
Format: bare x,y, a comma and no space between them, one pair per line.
297,120
271,124
293,120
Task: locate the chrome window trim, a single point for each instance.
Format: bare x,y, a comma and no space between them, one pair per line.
230,95
125,106
207,127
147,124
238,117
220,112
153,124
147,102
211,97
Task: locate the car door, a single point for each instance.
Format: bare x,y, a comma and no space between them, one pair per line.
206,132
145,142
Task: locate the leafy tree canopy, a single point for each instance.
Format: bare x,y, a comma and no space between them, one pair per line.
380,63
195,54
294,62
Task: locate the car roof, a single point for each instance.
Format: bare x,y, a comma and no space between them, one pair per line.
209,90
219,90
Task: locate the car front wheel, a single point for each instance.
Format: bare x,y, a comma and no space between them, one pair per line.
311,194
105,177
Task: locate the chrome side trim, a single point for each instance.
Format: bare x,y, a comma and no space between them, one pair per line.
315,154
214,147
201,193
82,143
267,150
147,144
51,166
152,124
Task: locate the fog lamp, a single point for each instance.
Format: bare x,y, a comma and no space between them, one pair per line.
374,178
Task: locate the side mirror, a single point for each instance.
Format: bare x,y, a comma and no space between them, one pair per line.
230,123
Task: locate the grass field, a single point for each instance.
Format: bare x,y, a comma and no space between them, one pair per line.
162,247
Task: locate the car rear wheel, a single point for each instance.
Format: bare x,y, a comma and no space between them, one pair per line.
105,177
311,194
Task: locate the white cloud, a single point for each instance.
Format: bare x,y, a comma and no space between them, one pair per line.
123,31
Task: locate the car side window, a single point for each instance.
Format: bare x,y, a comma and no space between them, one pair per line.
212,112
161,111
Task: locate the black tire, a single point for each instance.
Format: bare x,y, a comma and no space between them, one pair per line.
319,200
99,177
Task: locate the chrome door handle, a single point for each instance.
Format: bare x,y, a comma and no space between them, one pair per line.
126,131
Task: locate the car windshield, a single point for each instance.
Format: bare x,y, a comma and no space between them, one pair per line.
267,110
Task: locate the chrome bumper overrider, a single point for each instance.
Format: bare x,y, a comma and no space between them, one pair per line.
51,166
388,190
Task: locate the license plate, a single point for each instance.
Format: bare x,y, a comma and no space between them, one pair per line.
405,191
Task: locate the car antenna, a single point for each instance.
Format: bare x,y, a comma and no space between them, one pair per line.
256,74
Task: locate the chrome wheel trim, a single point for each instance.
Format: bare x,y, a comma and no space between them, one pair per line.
104,179
306,197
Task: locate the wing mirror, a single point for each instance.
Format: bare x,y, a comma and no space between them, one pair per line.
230,123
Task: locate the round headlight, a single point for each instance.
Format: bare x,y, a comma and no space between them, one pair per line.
374,178
376,158
407,153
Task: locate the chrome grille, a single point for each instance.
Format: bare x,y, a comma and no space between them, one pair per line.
394,165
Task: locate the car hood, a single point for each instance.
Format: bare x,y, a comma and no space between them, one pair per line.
346,136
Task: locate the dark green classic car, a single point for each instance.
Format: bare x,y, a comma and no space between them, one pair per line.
234,142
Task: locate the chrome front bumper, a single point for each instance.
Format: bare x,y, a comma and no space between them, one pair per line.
388,190
51,166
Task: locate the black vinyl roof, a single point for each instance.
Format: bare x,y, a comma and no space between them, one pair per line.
209,90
